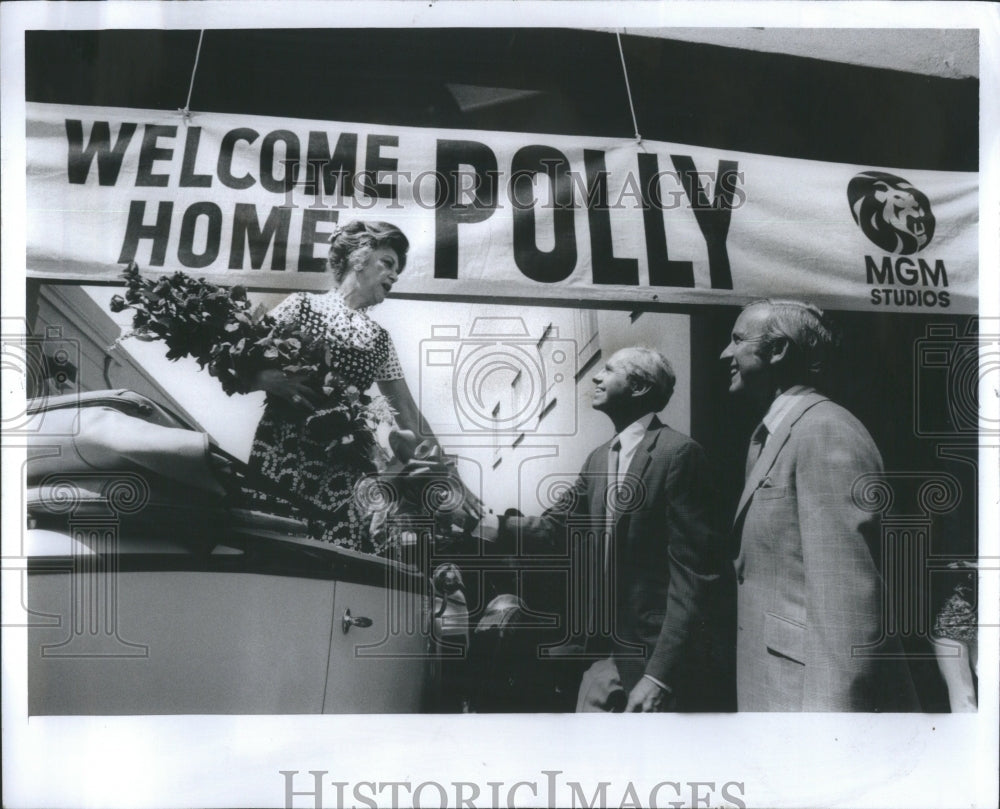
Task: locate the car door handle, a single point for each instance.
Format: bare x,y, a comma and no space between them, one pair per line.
348,621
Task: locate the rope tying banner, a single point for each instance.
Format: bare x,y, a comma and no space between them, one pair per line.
186,109
628,89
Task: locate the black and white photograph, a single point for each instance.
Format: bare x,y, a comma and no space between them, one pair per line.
392,388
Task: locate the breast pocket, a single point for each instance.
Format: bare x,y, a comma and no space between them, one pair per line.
771,492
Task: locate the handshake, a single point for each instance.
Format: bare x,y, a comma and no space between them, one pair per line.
426,481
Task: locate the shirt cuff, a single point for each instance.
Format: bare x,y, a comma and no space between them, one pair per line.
652,679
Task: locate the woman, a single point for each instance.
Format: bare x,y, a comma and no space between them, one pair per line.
365,260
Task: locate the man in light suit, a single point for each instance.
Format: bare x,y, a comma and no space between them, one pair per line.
809,588
651,550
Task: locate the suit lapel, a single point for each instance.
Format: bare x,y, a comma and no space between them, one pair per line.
644,452
639,464
597,482
774,445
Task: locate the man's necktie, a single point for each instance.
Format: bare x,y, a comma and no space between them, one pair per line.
756,447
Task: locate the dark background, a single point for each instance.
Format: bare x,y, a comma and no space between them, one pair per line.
684,93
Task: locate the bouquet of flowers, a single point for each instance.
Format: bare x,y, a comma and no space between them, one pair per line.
222,330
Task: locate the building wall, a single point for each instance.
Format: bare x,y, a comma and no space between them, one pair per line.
511,401
532,391
69,320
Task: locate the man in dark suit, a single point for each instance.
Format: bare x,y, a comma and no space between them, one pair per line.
809,588
642,522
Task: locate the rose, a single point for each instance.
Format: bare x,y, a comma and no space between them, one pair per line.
234,341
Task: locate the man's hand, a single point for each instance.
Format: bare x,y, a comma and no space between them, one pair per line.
647,697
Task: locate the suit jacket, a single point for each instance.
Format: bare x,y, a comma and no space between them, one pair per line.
809,588
672,579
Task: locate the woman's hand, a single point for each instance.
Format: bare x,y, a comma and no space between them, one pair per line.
290,387
412,423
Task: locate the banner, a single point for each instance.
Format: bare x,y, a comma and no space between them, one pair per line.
491,215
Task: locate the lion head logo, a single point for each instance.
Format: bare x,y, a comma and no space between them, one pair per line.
891,212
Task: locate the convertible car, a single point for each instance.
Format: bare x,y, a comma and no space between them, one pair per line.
151,591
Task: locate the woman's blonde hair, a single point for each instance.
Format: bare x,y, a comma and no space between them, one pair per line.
358,234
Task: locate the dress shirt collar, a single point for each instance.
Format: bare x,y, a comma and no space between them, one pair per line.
782,405
631,436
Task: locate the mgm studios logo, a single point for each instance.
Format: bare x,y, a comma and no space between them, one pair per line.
897,217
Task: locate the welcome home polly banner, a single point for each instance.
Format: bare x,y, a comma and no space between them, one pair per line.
491,215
